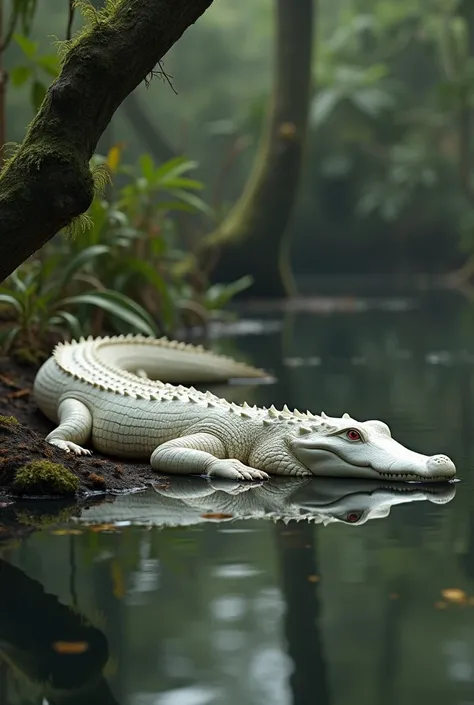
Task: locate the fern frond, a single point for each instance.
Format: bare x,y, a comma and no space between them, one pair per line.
79,225
90,14
101,177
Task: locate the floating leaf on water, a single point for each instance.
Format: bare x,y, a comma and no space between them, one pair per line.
103,527
70,647
314,578
454,595
66,532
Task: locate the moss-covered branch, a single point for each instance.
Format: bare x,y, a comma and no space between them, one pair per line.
48,183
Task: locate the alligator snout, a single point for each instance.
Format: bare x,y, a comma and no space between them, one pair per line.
441,465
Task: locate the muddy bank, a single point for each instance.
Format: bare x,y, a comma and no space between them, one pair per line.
29,466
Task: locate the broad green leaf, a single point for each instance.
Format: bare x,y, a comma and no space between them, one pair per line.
16,280
71,321
117,305
218,295
175,206
11,301
173,168
28,47
19,75
181,182
7,336
323,105
80,260
149,273
194,201
147,167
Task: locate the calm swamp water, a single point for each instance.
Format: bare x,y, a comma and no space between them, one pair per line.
371,602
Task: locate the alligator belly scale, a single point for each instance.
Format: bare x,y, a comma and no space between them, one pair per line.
123,395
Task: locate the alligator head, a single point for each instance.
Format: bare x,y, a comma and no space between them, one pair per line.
344,447
354,502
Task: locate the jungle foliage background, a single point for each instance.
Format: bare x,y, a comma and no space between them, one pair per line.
387,180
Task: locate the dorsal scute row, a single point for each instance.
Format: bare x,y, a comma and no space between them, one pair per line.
82,360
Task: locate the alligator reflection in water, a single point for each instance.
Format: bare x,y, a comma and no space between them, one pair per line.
191,500
51,645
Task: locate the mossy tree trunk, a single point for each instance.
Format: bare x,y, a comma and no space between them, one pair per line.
255,235
48,183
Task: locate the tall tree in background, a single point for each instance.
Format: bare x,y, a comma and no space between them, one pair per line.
254,237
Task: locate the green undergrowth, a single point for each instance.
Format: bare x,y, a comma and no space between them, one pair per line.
45,477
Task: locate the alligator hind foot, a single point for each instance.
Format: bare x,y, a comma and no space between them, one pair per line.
75,425
69,446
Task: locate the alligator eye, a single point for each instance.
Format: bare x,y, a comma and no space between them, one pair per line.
353,435
352,517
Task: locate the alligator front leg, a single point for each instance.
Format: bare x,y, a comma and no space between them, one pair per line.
75,427
201,454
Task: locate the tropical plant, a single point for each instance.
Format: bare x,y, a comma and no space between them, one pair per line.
139,222
46,299
113,272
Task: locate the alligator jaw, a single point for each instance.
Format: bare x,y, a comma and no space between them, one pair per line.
378,459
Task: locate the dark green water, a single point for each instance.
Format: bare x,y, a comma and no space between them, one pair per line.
346,609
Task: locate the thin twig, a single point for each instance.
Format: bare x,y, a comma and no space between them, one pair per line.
70,19
161,74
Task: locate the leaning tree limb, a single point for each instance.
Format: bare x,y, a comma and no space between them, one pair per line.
48,183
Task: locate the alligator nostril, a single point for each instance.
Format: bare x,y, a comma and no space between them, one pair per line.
441,464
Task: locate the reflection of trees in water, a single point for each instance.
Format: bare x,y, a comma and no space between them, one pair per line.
390,651
296,549
59,654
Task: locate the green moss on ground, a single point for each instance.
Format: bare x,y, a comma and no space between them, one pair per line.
7,423
45,477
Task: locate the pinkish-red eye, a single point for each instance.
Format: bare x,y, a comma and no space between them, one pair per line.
352,517
353,435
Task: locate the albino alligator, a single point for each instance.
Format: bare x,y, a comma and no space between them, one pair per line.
106,390
187,501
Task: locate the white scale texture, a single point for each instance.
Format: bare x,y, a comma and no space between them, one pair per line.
116,394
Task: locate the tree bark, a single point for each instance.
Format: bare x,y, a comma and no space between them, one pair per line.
261,218
48,183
